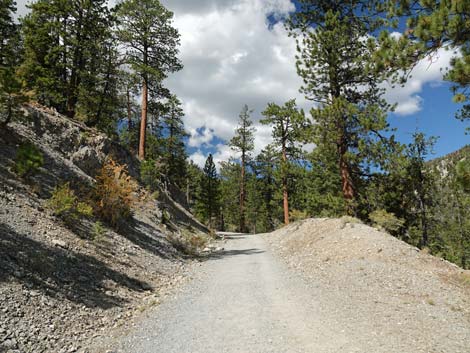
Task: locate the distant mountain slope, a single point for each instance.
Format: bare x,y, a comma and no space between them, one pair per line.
451,158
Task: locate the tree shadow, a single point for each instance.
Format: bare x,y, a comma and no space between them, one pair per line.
60,273
229,253
148,238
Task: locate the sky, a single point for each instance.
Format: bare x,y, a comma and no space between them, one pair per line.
235,52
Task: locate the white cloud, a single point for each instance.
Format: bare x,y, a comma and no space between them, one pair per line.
428,71
232,57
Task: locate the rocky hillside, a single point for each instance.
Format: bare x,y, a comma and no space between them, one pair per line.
378,288
62,285
450,160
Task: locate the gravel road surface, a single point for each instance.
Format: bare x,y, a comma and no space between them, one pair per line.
243,300
315,287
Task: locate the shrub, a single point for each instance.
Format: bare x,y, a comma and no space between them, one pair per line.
113,193
296,215
150,174
386,220
28,160
99,231
345,220
187,242
65,204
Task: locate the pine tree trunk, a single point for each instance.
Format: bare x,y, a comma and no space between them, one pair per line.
143,121
347,184
284,184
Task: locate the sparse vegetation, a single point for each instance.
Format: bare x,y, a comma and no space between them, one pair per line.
66,205
349,220
99,231
386,220
150,174
188,242
28,160
297,215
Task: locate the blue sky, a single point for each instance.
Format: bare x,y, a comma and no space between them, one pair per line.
436,118
234,54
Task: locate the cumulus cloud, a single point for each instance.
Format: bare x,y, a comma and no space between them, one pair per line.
233,56
428,71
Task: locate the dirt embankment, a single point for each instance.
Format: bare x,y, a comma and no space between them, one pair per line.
63,285
379,288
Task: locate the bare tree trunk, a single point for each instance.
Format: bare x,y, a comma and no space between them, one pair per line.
143,121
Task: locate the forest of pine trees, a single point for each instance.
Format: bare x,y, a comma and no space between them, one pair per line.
107,67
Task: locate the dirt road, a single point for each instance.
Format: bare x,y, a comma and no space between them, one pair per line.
246,300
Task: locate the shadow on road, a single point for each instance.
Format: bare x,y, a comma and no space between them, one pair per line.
227,253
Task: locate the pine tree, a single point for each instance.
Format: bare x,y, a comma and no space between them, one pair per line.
174,152
145,30
266,165
431,25
420,182
10,53
243,142
287,122
230,194
208,198
69,54
336,44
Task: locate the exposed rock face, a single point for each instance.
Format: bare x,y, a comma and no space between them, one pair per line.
63,285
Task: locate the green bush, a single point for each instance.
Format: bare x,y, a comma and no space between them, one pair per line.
28,160
150,174
65,204
99,231
386,220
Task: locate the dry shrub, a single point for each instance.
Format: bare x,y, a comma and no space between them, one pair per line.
297,215
187,242
113,193
345,220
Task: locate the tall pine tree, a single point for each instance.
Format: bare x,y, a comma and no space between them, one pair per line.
243,143
335,45
287,122
208,199
173,135
151,43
